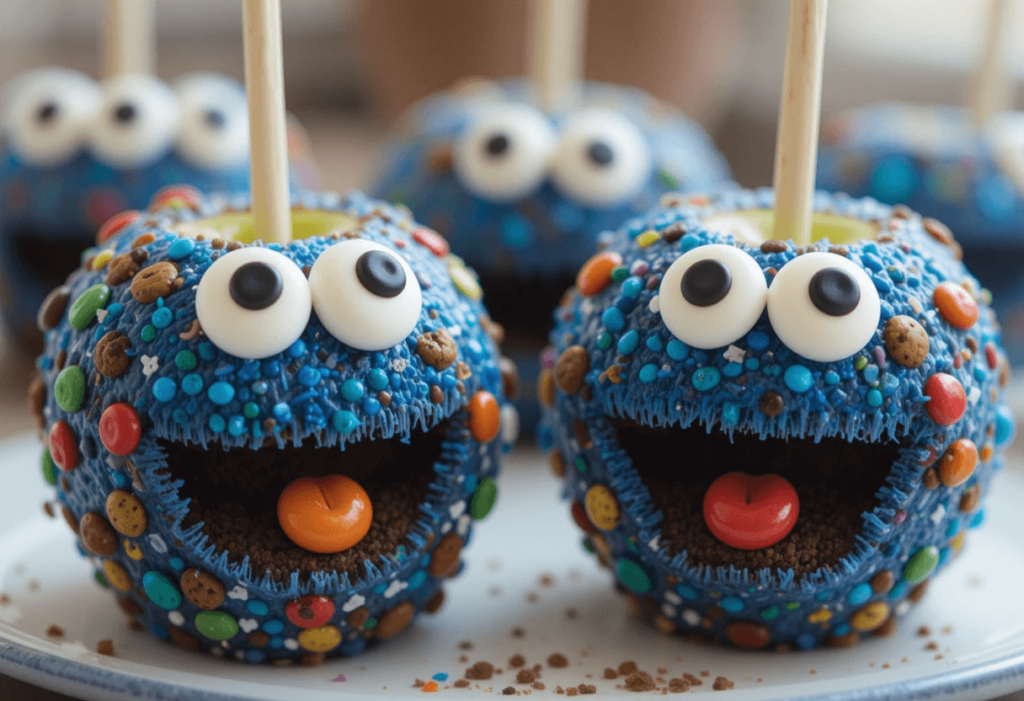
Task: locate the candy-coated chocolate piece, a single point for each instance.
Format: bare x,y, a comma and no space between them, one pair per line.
325,515
751,512
956,305
947,400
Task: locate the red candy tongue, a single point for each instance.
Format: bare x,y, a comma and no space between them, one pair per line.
750,512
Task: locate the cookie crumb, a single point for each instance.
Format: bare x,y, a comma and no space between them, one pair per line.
105,647
678,686
532,598
722,683
559,690
924,632
516,661
626,668
4,599
509,691
480,670
518,632
932,646
539,686
886,665
705,673
940,656
640,681
610,673
694,680
525,676
558,660
461,683
572,614
947,629
587,689
466,645
55,631
418,684
572,691
547,580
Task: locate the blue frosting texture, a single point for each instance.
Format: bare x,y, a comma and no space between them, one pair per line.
178,388
614,360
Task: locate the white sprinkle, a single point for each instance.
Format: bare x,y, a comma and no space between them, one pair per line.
669,610
240,655
157,543
691,617
902,608
291,644
150,364
734,354
394,588
974,395
239,592
176,618
938,514
101,315
445,527
248,625
352,604
509,424
654,543
673,598
463,527
915,304
457,509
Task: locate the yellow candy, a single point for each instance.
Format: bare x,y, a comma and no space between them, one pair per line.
117,576
870,617
602,508
822,615
133,550
647,238
101,259
322,639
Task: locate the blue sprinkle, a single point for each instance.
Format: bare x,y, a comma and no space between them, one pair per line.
732,604
352,390
162,318
516,231
821,595
371,406
655,344
192,384
377,379
121,480
182,248
257,608
945,555
255,656
806,641
648,373
831,377
344,421
841,629
687,592
277,642
953,528
730,413
113,311
282,412
897,591
297,349
440,677
1004,425
706,378
180,416
979,518
417,580
613,319
677,350
176,562
217,423
798,378
870,373
207,351
220,393
859,594
271,368
164,389
688,242
732,370
632,287
629,342
604,340
309,377
236,425
272,627
874,398
757,340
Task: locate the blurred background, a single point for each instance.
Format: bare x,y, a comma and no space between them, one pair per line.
351,67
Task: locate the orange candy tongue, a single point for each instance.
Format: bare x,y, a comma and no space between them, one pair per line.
325,515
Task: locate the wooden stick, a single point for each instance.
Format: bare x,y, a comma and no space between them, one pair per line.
264,83
796,146
990,92
128,37
557,50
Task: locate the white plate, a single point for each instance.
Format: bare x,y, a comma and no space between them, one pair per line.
975,610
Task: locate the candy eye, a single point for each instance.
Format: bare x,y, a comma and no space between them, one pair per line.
602,159
136,123
365,294
48,115
712,295
823,306
253,302
214,129
504,154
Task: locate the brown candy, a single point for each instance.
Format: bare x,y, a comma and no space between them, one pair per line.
571,369
37,400
358,618
395,620
202,589
970,499
110,354
906,341
509,377
882,582
97,533
445,556
156,281
437,348
69,517
772,404
52,308
126,513
774,246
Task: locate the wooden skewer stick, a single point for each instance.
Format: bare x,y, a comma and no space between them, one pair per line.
557,50
991,87
796,146
128,37
268,140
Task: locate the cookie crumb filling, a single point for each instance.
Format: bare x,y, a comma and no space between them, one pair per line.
232,496
837,482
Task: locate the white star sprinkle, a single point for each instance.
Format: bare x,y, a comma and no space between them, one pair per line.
734,354
150,364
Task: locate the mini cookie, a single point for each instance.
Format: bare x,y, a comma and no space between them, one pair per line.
522,195
249,483
936,159
774,445
73,153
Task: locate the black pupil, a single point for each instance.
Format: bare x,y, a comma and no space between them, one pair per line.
214,118
255,286
380,274
600,153
124,113
834,291
706,282
47,113
497,145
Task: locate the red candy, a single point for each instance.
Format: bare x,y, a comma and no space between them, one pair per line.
947,400
310,611
751,512
991,356
956,305
432,240
120,429
579,515
116,223
64,446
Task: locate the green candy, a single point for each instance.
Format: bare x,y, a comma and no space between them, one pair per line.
483,500
185,360
83,310
216,625
69,389
633,576
922,564
49,468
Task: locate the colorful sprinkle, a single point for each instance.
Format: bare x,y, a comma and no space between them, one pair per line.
596,273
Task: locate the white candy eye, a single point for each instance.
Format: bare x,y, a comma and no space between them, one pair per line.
602,158
712,295
214,129
48,115
366,296
253,302
823,306
136,123
504,154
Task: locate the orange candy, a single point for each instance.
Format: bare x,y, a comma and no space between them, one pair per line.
484,417
115,224
958,462
596,273
325,515
956,305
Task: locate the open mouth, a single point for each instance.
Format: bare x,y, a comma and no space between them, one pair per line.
227,499
39,255
524,305
839,484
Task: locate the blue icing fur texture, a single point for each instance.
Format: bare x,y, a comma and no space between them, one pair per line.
414,417
638,420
